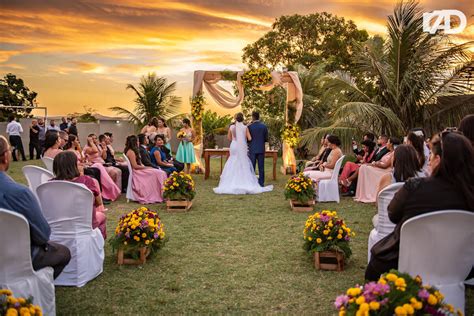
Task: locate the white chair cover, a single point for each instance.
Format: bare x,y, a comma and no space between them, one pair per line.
439,247
16,269
383,226
48,162
35,176
328,189
67,207
130,196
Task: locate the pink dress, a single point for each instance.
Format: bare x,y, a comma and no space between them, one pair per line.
350,166
369,179
51,153
317,175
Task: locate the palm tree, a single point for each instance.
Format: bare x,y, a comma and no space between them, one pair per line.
416,76
155,97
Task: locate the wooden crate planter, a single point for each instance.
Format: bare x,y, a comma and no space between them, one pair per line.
144,253
329,260
178,205
297,206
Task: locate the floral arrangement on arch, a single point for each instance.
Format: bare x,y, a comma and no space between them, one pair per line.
326,231
395,293
11,306
291,135
300,188
255,78
179,185
197,106
139,228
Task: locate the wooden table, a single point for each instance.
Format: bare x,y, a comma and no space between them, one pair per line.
225,152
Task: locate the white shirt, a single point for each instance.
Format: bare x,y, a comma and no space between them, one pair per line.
55,128
14,128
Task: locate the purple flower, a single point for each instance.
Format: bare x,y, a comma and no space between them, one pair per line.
17,305
341,300
423,294
347,238
155,235
143,224
384,301
324,218
373,289
127,234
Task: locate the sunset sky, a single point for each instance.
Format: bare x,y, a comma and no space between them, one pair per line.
84,53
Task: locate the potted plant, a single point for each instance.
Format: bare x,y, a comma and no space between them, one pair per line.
11,306
179,191
328,237
138,234
300,191
395,293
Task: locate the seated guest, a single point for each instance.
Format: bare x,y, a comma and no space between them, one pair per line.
370,174
178,165
147,182
158,156
18,198
52,144
418,143
326,168
382,149
117,162
144,154
349,172
321,157
359,153
450,186
74,146
65,168
63,138
467,127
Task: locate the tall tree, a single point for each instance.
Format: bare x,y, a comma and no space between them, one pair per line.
155,97
14,92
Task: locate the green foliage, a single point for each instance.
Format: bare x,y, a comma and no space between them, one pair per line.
14,92
213,124
155,98
228,75
86,117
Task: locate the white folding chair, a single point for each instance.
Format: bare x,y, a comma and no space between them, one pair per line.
35,176
16,268
383,226
328,189
48,162
130,196
67,207
439,247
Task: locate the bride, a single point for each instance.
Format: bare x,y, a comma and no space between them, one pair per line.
238,176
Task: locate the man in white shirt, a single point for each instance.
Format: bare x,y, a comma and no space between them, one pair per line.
14,131
52,126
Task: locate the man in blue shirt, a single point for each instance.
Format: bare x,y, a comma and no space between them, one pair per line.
18,198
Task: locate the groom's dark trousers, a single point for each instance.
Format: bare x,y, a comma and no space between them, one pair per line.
260,158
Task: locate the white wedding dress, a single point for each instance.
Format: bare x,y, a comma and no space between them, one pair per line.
238,176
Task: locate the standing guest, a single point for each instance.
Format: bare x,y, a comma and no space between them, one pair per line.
64,125
52,126
52,145
18,198
144,154
41,134
185,153
350,171
326,168
65,168
467,127
370,175
150,129
74,146
147,182
450,187
116,161
321,157
14,131
158,156
164,130
34,140
73,128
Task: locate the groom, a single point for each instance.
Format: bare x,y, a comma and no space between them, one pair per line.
259,133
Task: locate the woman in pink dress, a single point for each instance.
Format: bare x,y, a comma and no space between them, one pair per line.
147,182
370,175
349,172
52,145
65,168
326,168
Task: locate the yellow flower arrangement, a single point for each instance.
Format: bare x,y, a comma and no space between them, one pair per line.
299,188
255,78
291,135
139,228
11,306
179,185
326,231
197,106
181,134
395,293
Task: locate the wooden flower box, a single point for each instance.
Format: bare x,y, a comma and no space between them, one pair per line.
329,260
144,253
297,206
178,205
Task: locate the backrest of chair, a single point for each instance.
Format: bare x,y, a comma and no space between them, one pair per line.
35,176
438,246
14,247
384,225
48,162
67,206
129,194
337,167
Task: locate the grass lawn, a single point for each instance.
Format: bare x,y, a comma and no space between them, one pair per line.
229,254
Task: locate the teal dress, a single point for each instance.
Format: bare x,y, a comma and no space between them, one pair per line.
185,153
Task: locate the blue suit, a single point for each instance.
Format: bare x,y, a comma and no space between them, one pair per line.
259,133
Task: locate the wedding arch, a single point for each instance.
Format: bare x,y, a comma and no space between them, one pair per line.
210,79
